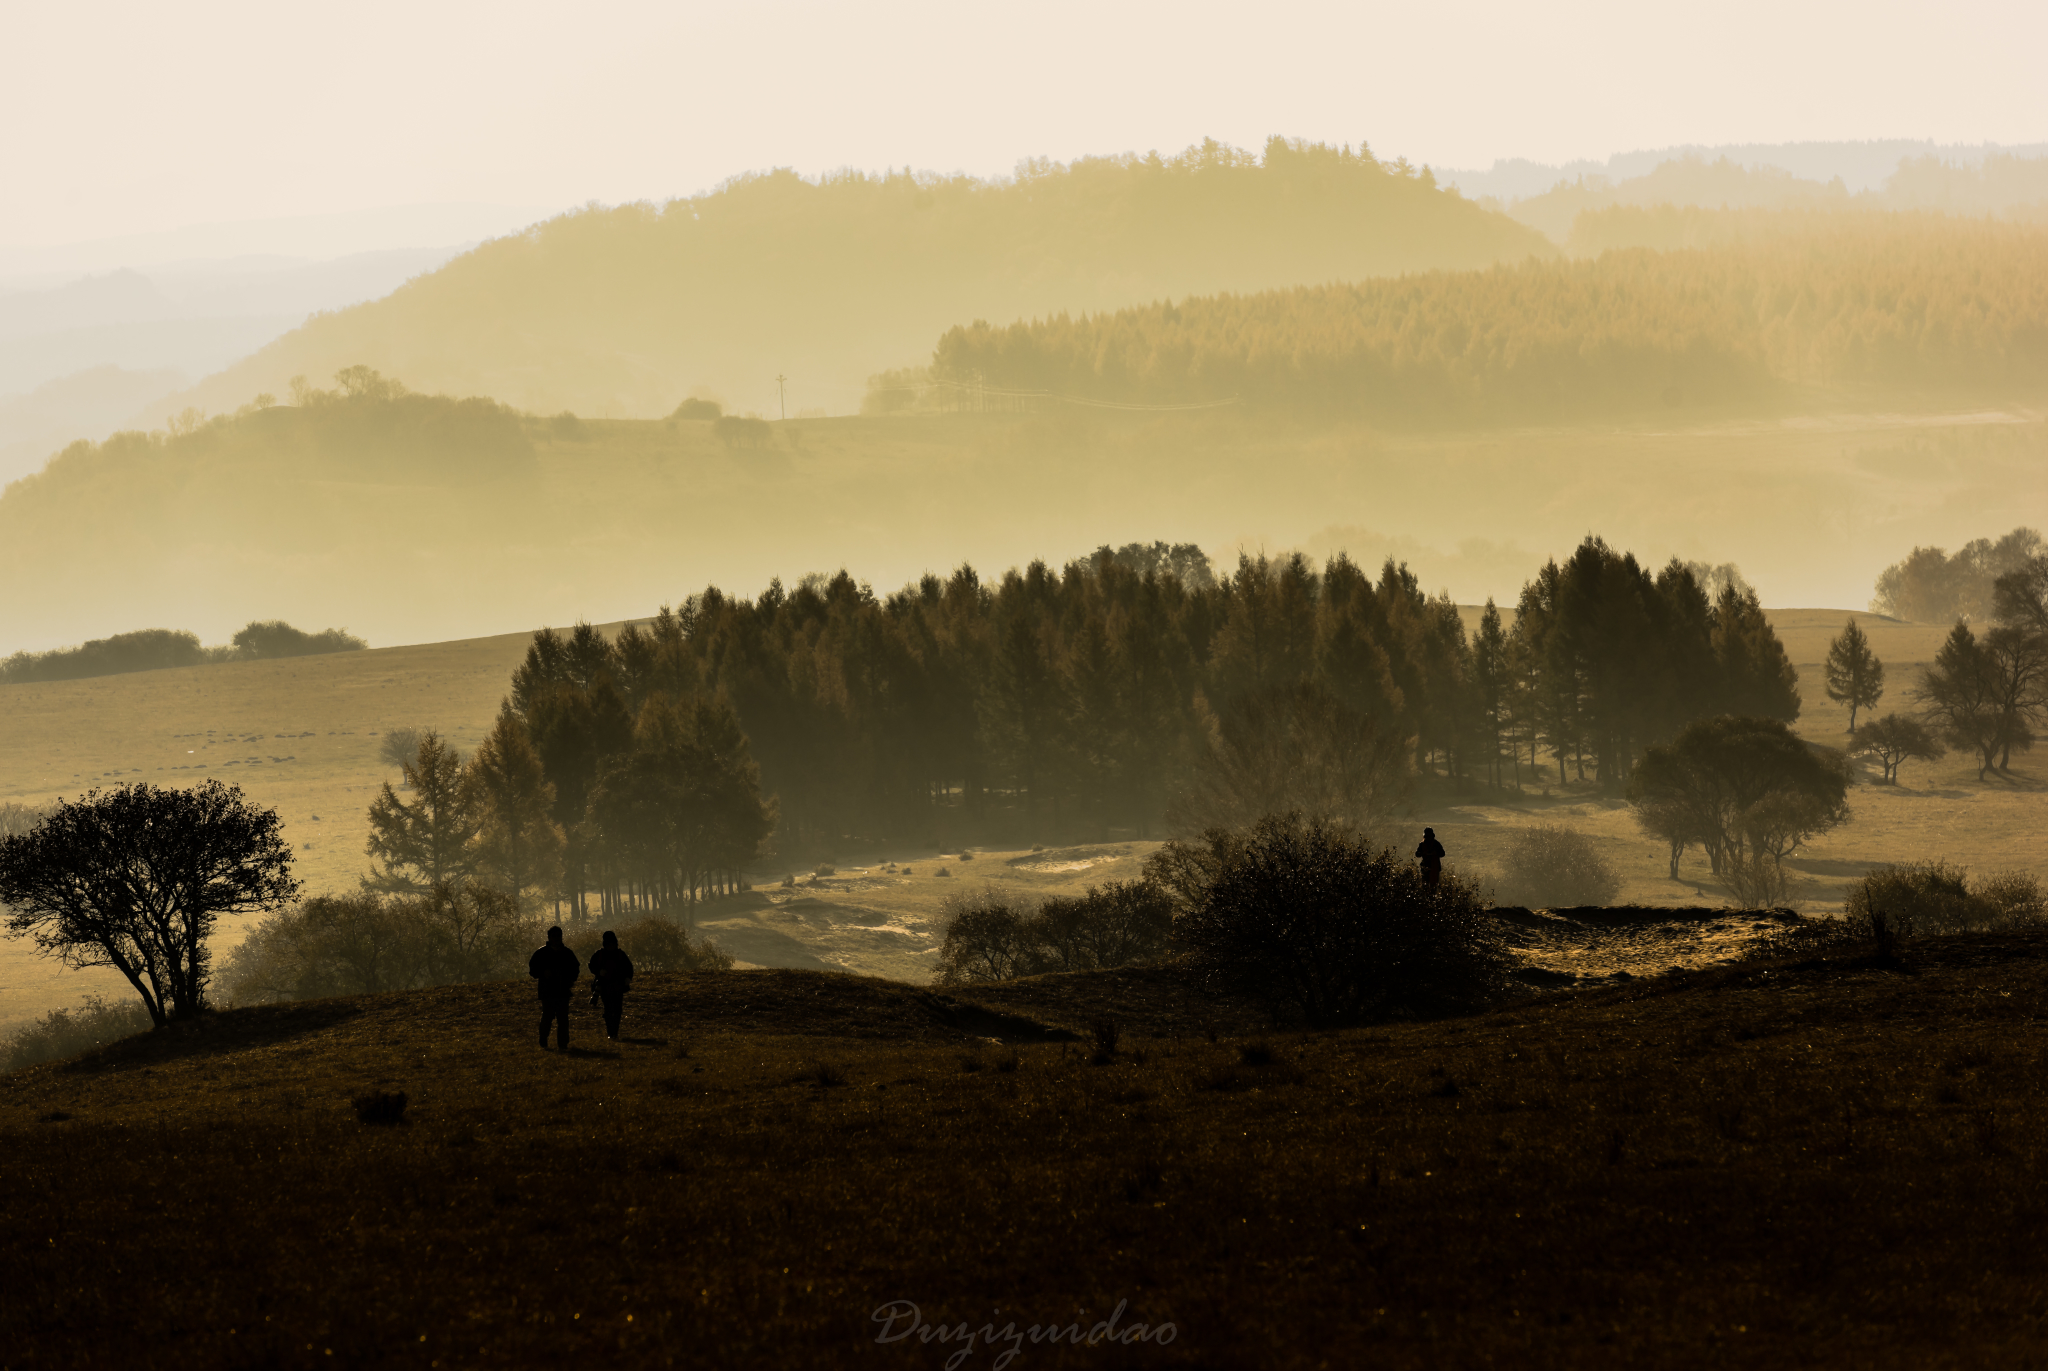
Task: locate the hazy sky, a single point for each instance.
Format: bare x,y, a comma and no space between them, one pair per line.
134,117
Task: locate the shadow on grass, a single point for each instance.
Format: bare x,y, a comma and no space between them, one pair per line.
215,1033
1818,866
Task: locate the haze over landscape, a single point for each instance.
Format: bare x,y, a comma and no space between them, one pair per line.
972,544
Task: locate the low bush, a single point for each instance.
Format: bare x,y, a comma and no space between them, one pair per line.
65,1033
1552,866
1309,918
998,935
986,938
362,944
658,944
1941,897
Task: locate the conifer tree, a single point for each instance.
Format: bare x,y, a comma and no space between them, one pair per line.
519,844
425,844
1757,679
1855,677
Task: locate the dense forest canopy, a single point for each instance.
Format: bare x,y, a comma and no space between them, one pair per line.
1866,305
623,311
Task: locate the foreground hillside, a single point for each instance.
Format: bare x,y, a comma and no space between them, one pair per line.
623,312
1826,1163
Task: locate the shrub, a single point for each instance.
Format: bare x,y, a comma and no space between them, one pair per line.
1757,881
1551,866
658,944
1940,897
996,936
264,639
400,747
746,434
362,944
65,1033
703,411
986,938
2014,896
1307,916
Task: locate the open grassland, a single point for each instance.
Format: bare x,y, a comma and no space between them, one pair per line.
298,735
1833,1162
618,517
302,736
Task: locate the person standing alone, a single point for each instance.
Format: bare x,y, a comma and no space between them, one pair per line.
556,966
612,970
1432,854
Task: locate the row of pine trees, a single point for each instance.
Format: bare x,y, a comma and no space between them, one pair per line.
1889,300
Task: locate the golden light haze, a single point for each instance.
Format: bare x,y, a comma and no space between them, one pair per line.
128,117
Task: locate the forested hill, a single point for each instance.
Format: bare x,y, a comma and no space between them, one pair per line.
1805,309
623,312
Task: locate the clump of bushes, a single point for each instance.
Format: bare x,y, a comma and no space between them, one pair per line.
1942,897
65,1033
363,943
1553,866
157,649
658,944
997,935
1308,917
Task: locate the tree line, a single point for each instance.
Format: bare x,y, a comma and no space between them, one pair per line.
591,782
1919,302
154,649
1929,585
1126,691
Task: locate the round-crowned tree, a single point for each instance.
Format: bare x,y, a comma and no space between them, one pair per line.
136,878
1311,917
1553,866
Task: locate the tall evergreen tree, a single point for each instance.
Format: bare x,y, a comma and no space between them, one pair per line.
1855,677
1757,679
519,843
425,843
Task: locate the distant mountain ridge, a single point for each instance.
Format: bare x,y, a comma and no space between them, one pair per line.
1861,165
625,311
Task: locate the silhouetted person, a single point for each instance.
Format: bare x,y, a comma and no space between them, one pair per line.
556,967
1432,854
612,970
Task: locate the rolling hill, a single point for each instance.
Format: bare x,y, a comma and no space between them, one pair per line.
1833,1162
622,312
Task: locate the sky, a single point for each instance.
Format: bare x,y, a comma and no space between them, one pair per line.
133,118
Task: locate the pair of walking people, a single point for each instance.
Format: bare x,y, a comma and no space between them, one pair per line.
557,968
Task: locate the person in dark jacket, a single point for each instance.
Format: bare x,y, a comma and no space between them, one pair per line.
612,971
556,967
1432,854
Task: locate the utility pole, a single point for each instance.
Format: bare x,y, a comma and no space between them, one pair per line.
781,399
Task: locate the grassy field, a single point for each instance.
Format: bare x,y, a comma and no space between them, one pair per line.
302,736
1825,1163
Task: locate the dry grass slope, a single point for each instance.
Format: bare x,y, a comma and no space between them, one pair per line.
1832,1162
